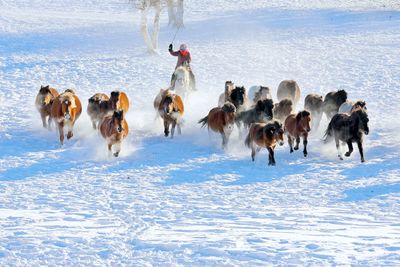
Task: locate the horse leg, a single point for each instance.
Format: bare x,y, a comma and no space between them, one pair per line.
360,148
70,127
224,140
350,145
192,81
166,127
296,147
271,158
49,121
43,116
117,148
290,142
94,124
305,142
173,129
253,151
179,128
337,141
61,131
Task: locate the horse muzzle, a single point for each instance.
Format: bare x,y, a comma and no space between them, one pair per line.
366,131
67,116
120,129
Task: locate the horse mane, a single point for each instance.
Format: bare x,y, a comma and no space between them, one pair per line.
286,102
228,107
302,114
360,103
68,96
70,90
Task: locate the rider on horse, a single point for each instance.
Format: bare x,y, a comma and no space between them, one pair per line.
184,59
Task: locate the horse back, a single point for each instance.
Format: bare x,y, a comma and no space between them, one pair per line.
124,102
179,104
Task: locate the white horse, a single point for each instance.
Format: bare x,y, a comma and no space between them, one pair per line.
175,16
182,85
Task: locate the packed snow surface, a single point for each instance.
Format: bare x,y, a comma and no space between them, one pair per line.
185,201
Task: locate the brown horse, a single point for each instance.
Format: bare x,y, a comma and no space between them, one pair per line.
43,102
97,107
313,103
114,129
289,89
332,101
226,95
170,109
265,135
297,126
283,109
65,110
221,120
349,129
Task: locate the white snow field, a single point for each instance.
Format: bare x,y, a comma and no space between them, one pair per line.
185,201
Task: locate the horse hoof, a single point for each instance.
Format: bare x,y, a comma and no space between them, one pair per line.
116,154
69,135
291,150
362,160
347,154
305,154
340,158
296,148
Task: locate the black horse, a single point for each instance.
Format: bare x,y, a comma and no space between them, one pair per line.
349,129
262,112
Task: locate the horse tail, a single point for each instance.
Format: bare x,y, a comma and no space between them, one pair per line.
247,142
328,133
204,121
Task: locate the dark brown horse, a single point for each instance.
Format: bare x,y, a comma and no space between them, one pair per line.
114,129
221,120
43,102
332,102
170,108
265,135
297,126
97,108
261,112
65,110
283,109
349,129
313,103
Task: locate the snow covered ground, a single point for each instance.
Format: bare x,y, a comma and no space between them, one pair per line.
185,201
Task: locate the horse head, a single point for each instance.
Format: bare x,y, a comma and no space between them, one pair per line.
67,106
361,119
168,104
303,119
275,130
238,96
265,107
341,97
117,119
228,107
360,104
114,100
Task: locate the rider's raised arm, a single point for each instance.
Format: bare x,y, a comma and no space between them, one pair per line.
174,53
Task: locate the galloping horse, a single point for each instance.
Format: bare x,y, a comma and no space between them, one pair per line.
183,85
65,110
94,108
314,104
297,126
221,120
43,102
265,135
261,112
170,107
332,101
283,109
349,129
114,129
289,89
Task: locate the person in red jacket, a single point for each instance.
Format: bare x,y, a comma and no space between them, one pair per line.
184,58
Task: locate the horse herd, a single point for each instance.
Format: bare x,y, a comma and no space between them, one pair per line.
254,113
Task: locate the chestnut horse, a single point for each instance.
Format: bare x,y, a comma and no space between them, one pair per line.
289,89
65,110
349,129
114,129
265,135
96,108
170,108
297,126
43,102
221,120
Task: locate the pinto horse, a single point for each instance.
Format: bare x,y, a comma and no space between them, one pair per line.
114,129
297,126
170,108
349,129
65,110
265,135
96,108
43,102
221,120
